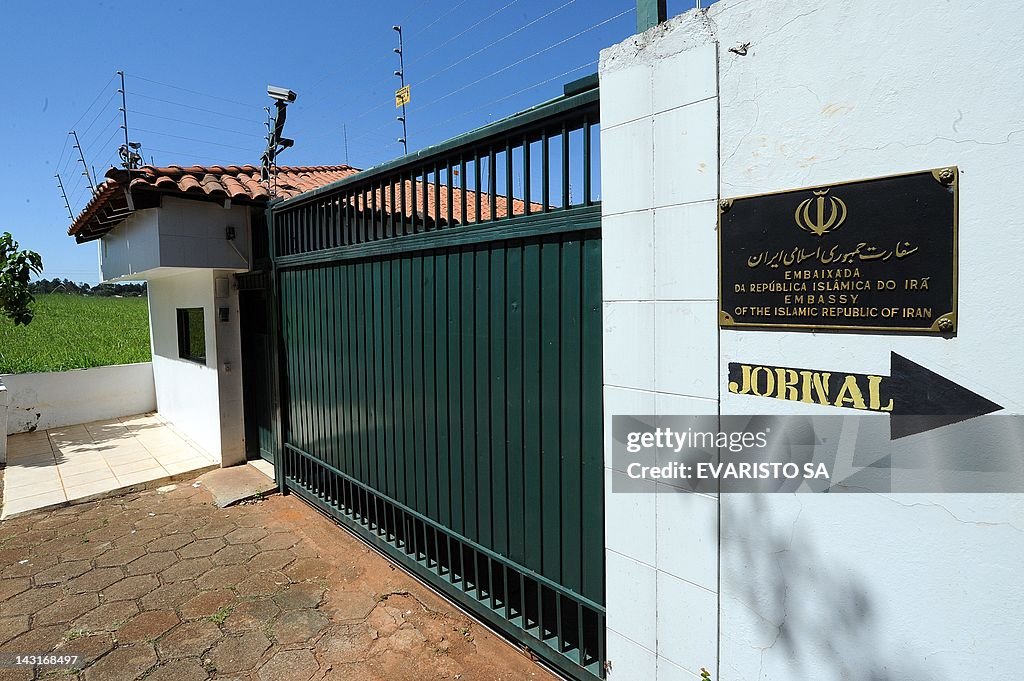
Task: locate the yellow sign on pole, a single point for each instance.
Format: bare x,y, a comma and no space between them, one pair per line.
402,96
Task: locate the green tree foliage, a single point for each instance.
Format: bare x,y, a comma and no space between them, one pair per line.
58,285
16,268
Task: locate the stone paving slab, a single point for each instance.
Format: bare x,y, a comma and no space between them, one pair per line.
72,464
163,585
236,483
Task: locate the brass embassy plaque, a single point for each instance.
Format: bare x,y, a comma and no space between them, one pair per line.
872,255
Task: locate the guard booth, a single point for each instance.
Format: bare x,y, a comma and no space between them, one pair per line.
435,343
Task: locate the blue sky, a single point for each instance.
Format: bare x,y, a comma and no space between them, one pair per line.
196,85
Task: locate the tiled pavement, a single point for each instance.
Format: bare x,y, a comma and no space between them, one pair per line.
163,585
77,462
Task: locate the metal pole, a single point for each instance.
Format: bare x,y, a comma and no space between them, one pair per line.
124,112
401,75
81,157
65,195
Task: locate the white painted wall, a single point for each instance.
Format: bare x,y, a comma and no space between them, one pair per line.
192,234
132,247
199,399
811,587
659,175
63,398
181,233
3,422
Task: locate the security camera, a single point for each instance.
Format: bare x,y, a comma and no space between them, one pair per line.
281,94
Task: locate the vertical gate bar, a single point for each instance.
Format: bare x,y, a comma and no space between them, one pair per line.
364,214
378,199
418,390
298,434
532,515
526,175
558,622
426,198
371,200
355,332
456,413
545,171
591,423
346,218
321,225
481,336
586,162
336,221
508,600
369,475
441,351
332,355
551,408
492,183
344,400
430,456
401,180
449,196
566,200
524,622
387,386
391,207
398,377
437,197
571,516
378,375
514,372
467,325
510,205
462,189
476,185
498,400
580,645
408,477
415,180
540,610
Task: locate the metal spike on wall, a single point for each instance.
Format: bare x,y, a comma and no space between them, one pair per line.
63,193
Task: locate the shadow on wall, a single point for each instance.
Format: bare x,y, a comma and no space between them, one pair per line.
796,605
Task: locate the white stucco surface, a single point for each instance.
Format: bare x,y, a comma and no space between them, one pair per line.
3,422
811,586
202,400
62,398
181,233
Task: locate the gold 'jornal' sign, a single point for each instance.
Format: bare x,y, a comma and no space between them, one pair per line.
872,255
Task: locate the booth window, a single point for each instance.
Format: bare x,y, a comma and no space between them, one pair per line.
191,334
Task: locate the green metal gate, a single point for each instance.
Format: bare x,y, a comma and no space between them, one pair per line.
439,370
256,349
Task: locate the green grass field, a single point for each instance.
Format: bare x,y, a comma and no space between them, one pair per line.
75,332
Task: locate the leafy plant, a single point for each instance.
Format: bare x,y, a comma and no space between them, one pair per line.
16,268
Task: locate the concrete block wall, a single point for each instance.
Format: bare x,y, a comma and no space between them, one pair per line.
754,96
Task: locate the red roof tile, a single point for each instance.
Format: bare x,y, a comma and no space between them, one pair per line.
109,205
